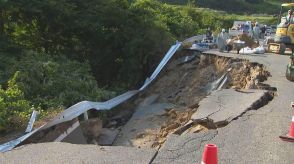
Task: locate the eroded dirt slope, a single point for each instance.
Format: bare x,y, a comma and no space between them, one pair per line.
185,85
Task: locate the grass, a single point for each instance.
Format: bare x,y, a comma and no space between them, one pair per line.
261,18
235,6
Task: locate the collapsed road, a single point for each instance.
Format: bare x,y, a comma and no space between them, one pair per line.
181,112
253,137
169,105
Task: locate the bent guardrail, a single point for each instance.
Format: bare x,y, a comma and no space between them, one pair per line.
81,107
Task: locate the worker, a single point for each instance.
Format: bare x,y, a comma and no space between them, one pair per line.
247,27
289,16
221,40
256,32
266,30
223,34
253,23
262,33
208,34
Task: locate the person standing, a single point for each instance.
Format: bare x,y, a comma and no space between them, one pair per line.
289,16
208,34
221,40
263,29
256,32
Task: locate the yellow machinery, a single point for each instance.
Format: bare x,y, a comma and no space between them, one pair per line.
284,37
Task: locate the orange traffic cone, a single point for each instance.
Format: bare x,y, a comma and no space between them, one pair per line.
209,154
290,136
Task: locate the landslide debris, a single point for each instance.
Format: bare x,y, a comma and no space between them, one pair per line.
178,89
185,84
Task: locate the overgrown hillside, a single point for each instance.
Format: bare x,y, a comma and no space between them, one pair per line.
55,53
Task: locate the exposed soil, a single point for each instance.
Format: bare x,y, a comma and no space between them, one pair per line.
176,119
186,84
183,84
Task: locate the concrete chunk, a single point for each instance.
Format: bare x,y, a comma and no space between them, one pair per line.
225,105
74,135
142,128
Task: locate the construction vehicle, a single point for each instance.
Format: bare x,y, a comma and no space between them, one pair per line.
284,37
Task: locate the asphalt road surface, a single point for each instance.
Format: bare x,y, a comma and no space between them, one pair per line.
251,138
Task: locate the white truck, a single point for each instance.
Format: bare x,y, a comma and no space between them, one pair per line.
241,27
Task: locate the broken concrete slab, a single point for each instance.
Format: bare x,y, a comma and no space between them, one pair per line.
186,148
149,100
75,137
142,128
57,152
151,110
222,106
107,136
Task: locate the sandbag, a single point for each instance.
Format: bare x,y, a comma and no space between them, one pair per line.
246,50
259,50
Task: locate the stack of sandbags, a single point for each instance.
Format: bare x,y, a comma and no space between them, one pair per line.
248,50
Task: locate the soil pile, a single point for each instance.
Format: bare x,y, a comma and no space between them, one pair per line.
248,41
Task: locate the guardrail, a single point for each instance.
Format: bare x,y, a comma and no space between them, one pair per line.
82,107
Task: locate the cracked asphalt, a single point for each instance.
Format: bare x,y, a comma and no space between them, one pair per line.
222,106
253,137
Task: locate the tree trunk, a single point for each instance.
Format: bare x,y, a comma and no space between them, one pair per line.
1,21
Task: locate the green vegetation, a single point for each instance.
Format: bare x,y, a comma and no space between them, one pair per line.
59,52
236,6
14,109
56,81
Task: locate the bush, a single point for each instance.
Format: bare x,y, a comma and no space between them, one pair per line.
51,82
14,109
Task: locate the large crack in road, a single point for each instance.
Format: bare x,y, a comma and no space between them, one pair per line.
184,91
244,82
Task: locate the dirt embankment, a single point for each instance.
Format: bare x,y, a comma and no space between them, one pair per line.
185,85
244,74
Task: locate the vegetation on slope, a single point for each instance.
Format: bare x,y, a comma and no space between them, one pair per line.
55,53
236,6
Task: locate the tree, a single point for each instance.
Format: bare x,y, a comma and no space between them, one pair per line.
254,1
